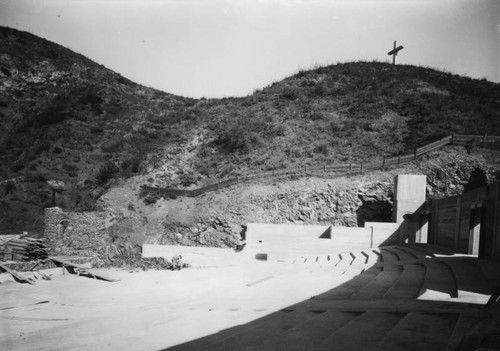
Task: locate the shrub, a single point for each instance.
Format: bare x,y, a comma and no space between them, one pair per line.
96,129
150,199
106,173
131,164
291,93
321,149
9,187
16,167
112,146
42,146
34,177
70,167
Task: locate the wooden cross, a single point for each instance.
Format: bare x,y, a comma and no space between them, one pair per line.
394,52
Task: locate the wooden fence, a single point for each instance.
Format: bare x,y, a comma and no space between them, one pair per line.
341,169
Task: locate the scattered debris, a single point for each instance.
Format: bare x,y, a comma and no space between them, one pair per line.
21,278
78,269
259,281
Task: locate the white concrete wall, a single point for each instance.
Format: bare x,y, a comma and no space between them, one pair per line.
409,194
284,241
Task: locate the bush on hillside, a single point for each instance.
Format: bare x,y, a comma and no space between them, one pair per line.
9,187
107,171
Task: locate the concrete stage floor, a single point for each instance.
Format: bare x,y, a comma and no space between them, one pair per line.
398,298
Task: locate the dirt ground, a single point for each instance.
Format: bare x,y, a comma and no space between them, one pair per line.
149,310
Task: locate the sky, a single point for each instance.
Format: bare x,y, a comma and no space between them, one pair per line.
217,48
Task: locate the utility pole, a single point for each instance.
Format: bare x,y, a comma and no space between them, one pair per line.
394,52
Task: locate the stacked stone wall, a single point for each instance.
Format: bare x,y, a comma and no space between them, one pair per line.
75,232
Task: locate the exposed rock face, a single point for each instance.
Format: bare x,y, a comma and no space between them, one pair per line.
341,207
218,219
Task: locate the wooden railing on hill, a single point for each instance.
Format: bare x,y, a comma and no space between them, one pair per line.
348,168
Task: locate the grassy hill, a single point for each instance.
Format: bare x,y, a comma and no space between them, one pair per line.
66,118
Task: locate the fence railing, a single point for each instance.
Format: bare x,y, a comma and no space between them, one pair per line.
345,168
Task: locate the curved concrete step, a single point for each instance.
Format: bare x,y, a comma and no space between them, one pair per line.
464,324
361,332
388,255
309,334
409,283
420,251
348,288
491,269
381,283
419,331
439,282
371,256
432,249
471,281
403,255
251,335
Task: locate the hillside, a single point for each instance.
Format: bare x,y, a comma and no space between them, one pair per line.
67,118
64,117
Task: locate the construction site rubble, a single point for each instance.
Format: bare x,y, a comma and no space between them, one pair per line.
24,249
129,256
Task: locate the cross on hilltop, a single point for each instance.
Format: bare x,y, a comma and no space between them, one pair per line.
394,52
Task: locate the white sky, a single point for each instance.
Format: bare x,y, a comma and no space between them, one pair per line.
216,48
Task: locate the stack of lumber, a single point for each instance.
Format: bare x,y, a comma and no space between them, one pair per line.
27,249
4,238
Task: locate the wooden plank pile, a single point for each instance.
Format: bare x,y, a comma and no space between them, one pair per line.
26,249
19,277
78,269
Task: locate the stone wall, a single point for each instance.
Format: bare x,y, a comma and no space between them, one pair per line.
75,232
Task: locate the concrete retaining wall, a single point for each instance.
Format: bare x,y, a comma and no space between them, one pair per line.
283,241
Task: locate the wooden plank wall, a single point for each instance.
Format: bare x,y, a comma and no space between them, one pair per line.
450,223
446,219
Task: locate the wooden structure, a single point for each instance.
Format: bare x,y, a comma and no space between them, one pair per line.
78,269
17,275
467,223
337,169
394,52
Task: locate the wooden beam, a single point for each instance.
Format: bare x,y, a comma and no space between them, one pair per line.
78,269
17,276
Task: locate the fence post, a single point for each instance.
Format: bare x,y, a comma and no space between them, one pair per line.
383,163
361,166
371,237
305,169
399,159
350,167
484,138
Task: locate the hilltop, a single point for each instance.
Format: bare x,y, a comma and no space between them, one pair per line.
64,117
